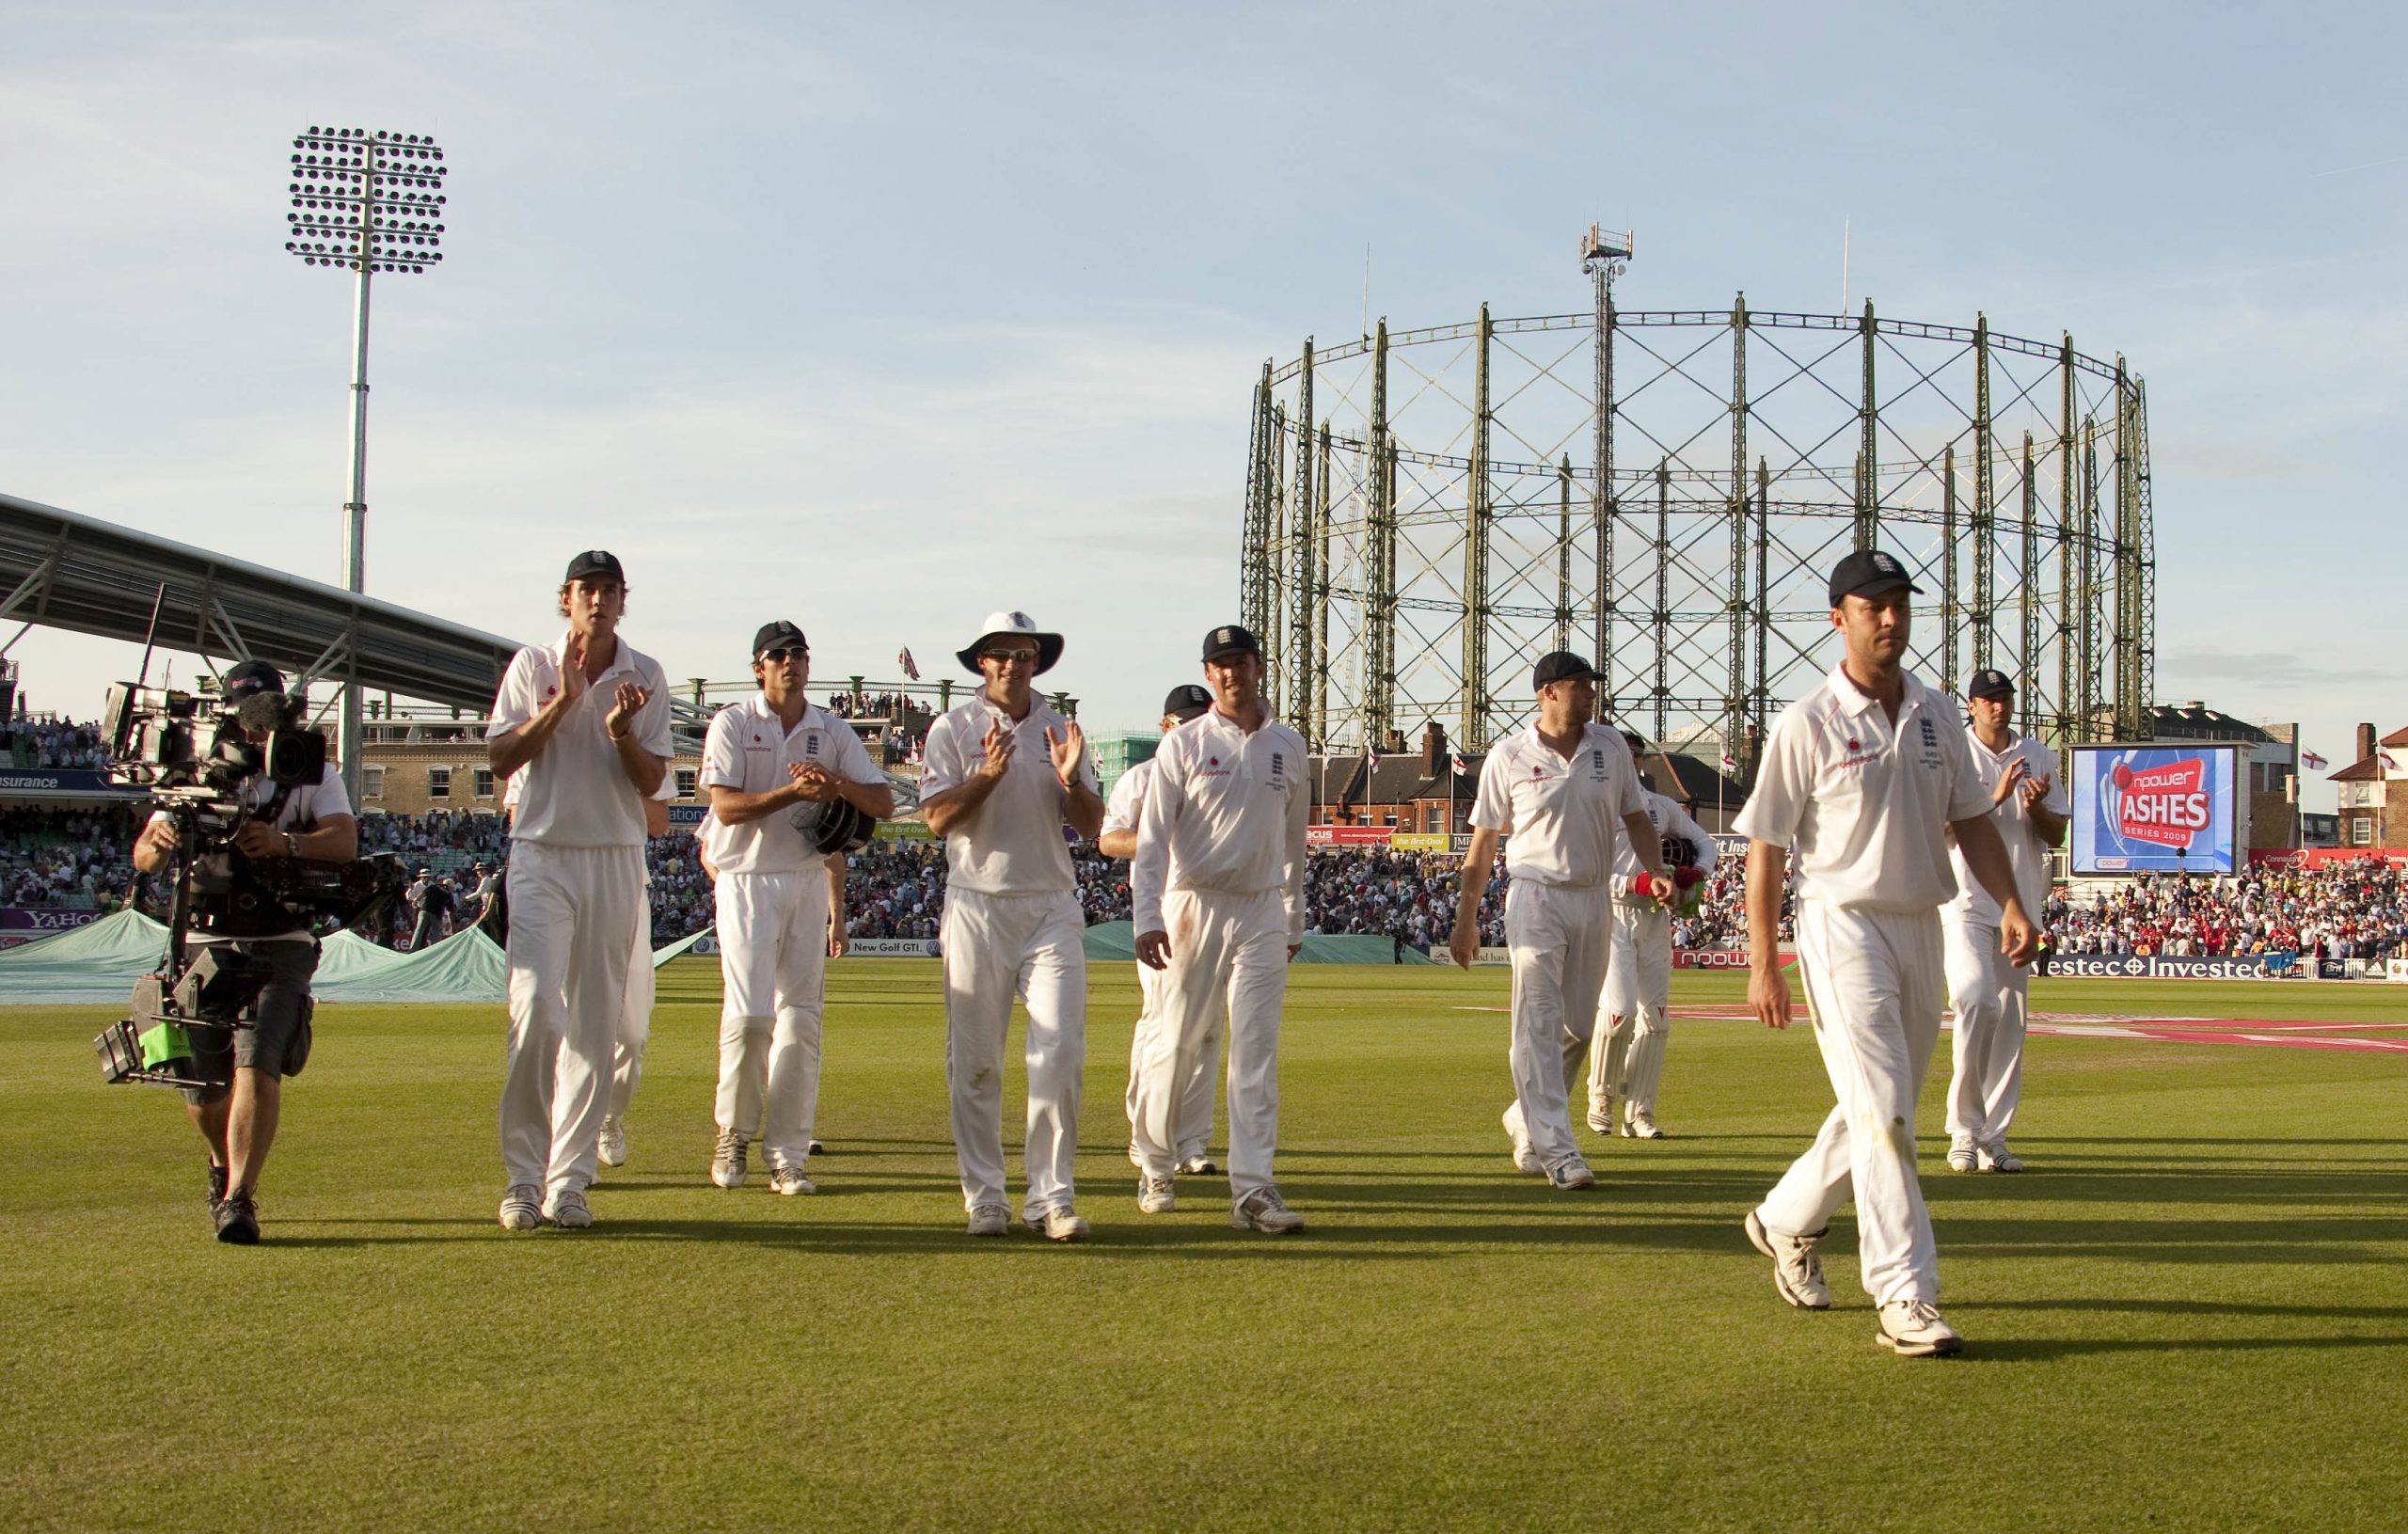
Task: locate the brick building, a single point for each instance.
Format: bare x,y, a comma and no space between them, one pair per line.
1420,792
2373,809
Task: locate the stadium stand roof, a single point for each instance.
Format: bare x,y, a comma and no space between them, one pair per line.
64,570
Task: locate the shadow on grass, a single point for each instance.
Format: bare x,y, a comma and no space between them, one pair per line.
2038,1349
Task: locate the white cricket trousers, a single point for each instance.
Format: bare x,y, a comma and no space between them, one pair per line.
997,946
772,966
1991,997
1560,939
635,1016
1192,1133
571,909
1629,1063
1229,957
1874,984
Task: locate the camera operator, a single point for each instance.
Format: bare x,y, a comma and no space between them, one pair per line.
312,821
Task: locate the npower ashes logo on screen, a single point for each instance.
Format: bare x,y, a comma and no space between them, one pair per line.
2164,806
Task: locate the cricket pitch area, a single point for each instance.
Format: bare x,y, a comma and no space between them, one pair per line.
2190,1313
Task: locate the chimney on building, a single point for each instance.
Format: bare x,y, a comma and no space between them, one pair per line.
2366,743
1434,750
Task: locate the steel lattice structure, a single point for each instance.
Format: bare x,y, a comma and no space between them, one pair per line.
1429,510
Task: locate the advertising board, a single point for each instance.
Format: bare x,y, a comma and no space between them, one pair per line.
24,923
2172,967
1348,835
2154,809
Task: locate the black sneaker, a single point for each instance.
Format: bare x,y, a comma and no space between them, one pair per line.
216,1188
238,1220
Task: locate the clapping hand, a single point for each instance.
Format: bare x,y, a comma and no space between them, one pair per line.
629,699
999,745
572,682
2008,779
1067,750
2034,790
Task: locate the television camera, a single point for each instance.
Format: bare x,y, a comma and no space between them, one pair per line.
195,754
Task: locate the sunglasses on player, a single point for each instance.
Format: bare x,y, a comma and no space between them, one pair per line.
781,655
1023,656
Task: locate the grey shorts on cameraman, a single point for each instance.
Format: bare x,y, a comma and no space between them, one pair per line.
278,1040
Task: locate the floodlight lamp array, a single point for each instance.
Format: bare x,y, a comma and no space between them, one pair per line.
362,196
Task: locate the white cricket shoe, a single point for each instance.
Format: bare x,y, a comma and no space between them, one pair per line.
1569,1175
568,1211
1640,1125
1154,1195
991,1220
1797,1271
727,1160
1198,1165
1263,1209
1913,1329
1995,1157
790,1180
1057,1224
522,1206
1601,1114
1525,1159
612,1147
1960,1153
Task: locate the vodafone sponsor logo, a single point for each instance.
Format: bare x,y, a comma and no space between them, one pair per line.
2164,806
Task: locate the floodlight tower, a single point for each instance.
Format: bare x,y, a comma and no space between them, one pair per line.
363,202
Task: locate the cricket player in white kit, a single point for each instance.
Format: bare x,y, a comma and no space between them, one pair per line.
1862,777
1626,1067
1121,813
587,722
1217,896
1562,793
1989,995
1000,777
773,766
635,1010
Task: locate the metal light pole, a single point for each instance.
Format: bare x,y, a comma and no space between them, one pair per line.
363,202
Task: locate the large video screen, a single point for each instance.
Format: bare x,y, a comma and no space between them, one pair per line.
2154,809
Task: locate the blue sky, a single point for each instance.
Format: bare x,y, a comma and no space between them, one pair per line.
880,317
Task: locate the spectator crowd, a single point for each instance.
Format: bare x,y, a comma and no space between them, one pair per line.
80,859
60,745
2356,909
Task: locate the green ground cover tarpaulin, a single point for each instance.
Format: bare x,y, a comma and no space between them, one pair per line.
101,961
1113,939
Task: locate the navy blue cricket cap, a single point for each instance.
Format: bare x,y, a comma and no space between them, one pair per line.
781,635
1560,666
1990,684
249,679
1230,640
1869,572
594,562
1187,700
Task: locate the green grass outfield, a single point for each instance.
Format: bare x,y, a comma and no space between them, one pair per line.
2192,1313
